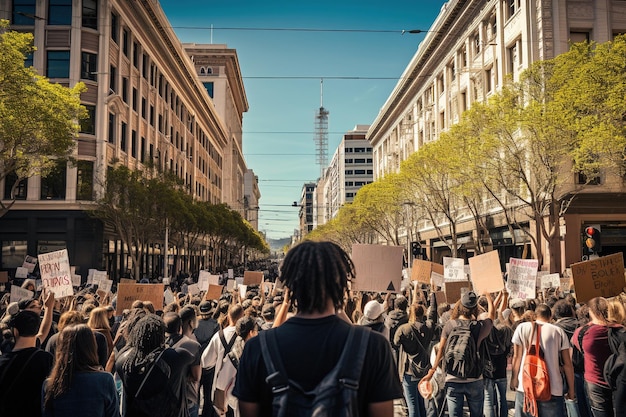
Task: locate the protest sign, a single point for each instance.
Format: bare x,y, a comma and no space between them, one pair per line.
566,284
551,281
231,274
30,262
421,271
76,280
20,272
203,280
127,281
105,285
55,273
377,267
453,290
522,279
252,277
19,293
4,276
454,269
238,281
230,284
438,268
214,292
485,272
193,289
128,293
242,291
441,297
600,277
437,279
168,296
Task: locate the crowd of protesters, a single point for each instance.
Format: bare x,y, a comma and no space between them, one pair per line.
78,357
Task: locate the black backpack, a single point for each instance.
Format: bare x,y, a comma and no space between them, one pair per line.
461,356
497,343
153,394
614,365
337,393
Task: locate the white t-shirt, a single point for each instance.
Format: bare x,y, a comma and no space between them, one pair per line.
553,341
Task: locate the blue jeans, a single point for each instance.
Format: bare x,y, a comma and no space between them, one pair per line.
495,398
555,407
414,400
581,396
457,392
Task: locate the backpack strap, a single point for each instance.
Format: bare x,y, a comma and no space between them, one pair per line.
276,375
227,346
145,378
351,364
581,335
19,374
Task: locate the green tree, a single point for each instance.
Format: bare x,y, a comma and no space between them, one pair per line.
38,119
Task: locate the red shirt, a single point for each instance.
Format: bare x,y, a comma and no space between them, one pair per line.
595,350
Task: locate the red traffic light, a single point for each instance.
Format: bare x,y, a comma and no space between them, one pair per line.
590,231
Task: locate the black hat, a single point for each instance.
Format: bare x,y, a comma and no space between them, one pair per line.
206,307
268,311
469,299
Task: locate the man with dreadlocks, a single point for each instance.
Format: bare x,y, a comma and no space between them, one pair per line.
152,375
310,343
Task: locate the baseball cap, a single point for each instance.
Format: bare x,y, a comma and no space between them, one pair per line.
373,310
469,299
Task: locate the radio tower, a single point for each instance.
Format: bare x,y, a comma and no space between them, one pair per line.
321,133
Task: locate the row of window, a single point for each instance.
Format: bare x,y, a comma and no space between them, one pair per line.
59,13
357,183
358,150
53,185
359,172
358,160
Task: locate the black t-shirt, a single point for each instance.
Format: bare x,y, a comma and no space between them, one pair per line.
20,391
310,348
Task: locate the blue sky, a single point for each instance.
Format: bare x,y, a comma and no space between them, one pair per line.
279,126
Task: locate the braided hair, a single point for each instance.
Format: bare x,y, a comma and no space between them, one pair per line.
146,340
316,272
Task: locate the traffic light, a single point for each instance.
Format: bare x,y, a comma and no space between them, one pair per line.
415,249
592,239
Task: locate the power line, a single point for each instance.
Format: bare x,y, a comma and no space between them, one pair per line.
400,31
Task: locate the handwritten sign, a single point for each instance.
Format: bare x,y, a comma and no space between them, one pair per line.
378,267
454,290
551,281
600,277
20,272
214,292
193,289
522,281
105,285
243,289
19,293
437,279
168,296
485,272
421,271
230,284
30,262
453,269
55,273
231,274
252,277
127,281
129,293
76,280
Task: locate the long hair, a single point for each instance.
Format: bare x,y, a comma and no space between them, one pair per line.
146,339
99,319
460,310
616,311
316,272
600,308
70,318
76,352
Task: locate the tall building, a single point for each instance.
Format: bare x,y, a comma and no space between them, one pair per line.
217,67
251,197
472,46
306,205
145,104
349,170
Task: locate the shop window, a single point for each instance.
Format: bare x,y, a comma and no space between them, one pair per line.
84,180
53,185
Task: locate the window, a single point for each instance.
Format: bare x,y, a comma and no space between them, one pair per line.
143,107
349,195
359,172
349,183
370,172
125,42
111,128
349,160
512,58
89,66
112,79
349,172
125,90
23,12
60,12
88,125
114,27
348,150
134,97
133,144
359,150
53,184
488,80
142,151
90,14
144,66
209,88
576,37
151,115
123,138
13,253
514,6
360,183
20,189
84,180
28,61
369,160
359,161
58,64
136,55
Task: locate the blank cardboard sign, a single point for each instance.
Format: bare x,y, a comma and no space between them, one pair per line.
378,267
